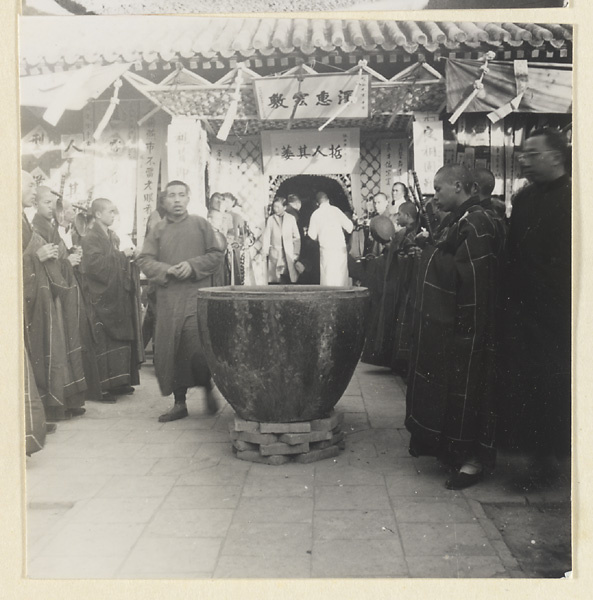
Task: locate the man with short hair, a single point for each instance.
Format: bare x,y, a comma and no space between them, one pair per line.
181,255
111,284
538,309
327,226
451,412
281,244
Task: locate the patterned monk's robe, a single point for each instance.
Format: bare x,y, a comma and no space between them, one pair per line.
179,360
51,330
47,230
388,278
450,402
112,287
35,426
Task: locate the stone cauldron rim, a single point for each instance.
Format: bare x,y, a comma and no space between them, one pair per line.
288,291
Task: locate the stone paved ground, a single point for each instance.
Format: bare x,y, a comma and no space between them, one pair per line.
115,494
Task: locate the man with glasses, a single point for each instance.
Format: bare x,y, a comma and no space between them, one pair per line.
538,309
181,254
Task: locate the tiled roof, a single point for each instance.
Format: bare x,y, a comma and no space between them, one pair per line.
63,42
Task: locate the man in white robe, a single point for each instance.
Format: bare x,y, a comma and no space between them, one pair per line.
327,226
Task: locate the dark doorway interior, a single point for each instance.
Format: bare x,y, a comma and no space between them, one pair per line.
306,186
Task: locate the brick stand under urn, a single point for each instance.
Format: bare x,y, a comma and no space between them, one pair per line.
280,443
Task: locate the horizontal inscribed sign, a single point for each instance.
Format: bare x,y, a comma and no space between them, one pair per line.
313,96
310,152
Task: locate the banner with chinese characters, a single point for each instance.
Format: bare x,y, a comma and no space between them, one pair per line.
115,157
151,144
394,164
225,168
314,96
187,153
309,152
428,148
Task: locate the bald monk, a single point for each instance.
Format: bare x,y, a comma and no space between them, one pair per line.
51,319
68,261
111,287
451,410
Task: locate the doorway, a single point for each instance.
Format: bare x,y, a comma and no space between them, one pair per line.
307,186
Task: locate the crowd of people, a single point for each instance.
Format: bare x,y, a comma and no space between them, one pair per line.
470,305
473,309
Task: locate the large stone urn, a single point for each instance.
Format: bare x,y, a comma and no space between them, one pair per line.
282,354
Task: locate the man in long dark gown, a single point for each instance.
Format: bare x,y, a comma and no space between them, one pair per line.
181,255
538,309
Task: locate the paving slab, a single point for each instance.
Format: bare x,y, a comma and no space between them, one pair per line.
191,522
158,557
358,558
269,539
371,497
203,496
354,525
275,510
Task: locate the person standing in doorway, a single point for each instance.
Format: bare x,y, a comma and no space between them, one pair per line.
327,226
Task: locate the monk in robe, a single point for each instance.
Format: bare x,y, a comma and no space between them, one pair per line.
51,327
68,261
111,284
376,278
450,402
181,255
407,262
36,427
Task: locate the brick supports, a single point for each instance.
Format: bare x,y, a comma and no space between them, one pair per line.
279,443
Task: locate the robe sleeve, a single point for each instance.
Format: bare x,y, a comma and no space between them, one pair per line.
296,238
97,265
209,263
154,269
346,223
313,231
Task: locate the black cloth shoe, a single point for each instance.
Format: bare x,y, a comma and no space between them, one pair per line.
123,390
50,428
179,411
76,412
461,480
108,398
